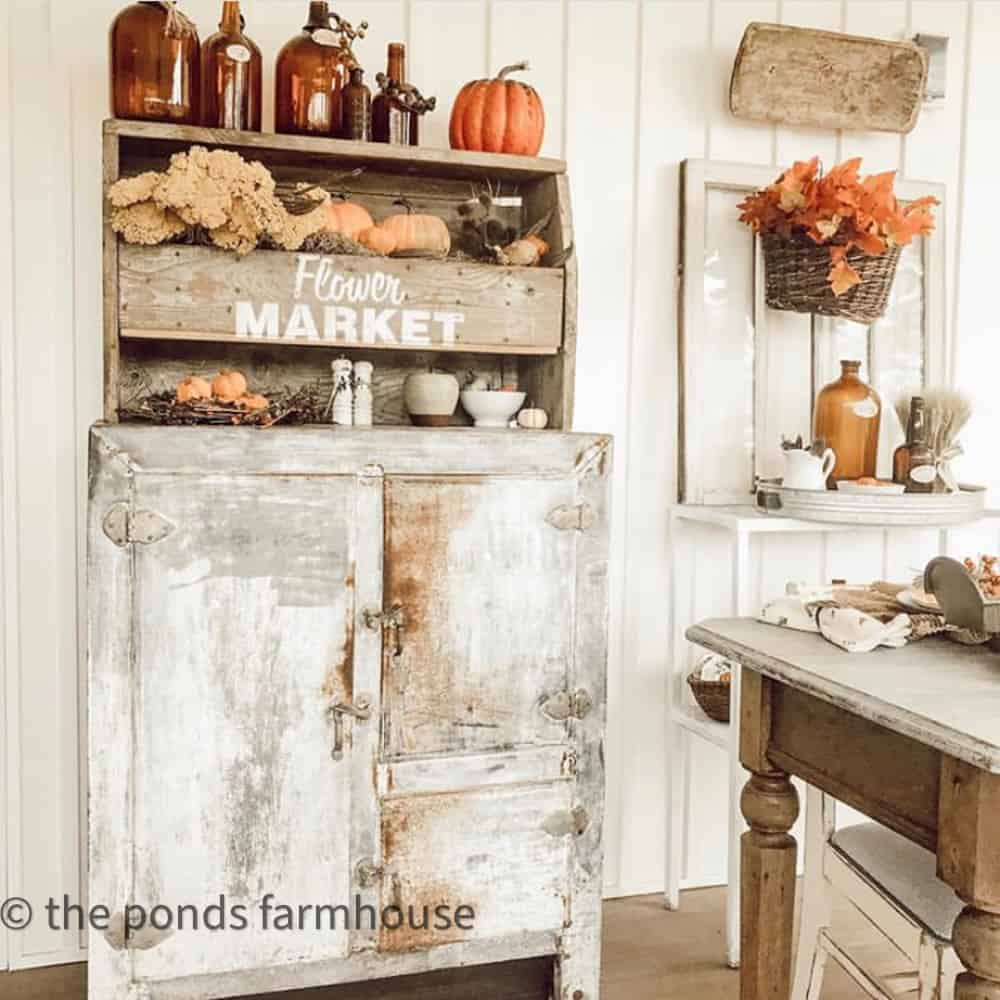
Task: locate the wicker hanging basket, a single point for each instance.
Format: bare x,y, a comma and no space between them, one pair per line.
795,279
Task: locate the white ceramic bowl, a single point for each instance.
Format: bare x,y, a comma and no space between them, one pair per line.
491,407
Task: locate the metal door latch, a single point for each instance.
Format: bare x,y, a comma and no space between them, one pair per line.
572,517
360,709
391,622
565,705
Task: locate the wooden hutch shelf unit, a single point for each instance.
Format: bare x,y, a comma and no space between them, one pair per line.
172,309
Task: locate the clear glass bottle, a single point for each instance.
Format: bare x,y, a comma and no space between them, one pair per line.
357,103
848,414
155,64
391,122
309,77
230,75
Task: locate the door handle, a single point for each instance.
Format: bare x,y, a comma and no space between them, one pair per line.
359,709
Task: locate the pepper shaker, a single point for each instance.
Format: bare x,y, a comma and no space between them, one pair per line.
363,394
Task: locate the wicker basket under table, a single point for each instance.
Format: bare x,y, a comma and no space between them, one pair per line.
712,696
795,279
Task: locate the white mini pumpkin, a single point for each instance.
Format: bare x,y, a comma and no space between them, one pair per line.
533,419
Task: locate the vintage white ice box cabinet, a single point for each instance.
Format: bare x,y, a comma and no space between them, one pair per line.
328,664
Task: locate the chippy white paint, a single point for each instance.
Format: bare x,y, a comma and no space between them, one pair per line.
258,636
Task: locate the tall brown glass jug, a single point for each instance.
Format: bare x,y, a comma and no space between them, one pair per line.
230,75
154,64
309,76
848,414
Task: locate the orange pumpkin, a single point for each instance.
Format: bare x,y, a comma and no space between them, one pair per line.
228,386
378,239
193,387
418,232
252,401
347,218
498,116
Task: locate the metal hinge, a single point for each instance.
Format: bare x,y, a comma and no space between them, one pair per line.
367,873
567,822
565,705
125,526
572,517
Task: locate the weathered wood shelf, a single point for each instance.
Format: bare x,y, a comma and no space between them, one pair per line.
180,305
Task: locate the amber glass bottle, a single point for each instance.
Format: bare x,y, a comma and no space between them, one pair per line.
230,75
391,122
357,103
914,431
154,64
848,414
309,77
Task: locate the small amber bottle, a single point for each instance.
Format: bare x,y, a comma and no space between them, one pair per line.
230,75
914,429
391,122
309,77
154,64
357,104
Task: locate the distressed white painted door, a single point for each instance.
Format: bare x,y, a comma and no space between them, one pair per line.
235,781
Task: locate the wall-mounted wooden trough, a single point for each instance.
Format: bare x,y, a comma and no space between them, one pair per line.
824,79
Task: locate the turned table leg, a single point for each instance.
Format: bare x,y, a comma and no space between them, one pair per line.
767,898
977,943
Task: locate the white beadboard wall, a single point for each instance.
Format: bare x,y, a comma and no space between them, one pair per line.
632,87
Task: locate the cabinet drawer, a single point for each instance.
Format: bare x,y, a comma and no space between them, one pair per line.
502,851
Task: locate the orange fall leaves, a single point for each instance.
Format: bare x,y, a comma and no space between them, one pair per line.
841,210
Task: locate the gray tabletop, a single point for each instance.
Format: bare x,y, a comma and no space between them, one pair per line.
938,692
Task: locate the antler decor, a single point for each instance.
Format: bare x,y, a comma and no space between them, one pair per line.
405,95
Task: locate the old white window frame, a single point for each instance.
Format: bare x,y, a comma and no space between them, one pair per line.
790,353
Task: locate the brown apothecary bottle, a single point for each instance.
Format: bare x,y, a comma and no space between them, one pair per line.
230,75
848,415
154,64
357,105
309,77
391,122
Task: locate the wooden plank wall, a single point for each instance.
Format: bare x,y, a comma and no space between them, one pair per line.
631,88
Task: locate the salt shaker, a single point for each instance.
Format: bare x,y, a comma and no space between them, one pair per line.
362,394
342,399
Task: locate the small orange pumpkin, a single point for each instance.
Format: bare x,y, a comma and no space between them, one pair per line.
346,218
379,239
498,116
417,232
193,387
229,386
252,401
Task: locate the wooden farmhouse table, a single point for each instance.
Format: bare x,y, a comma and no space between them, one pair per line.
910,737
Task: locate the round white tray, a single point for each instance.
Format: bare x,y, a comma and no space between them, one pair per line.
918,510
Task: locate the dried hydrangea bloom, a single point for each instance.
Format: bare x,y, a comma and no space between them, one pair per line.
130,190
199,195
147,223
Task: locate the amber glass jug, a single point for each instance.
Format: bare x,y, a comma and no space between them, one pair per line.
154,64
848,414
230,75
309,77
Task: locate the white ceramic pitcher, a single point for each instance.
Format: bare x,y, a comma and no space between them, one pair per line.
806,471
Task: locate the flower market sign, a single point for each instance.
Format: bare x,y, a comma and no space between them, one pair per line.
330,304
308,299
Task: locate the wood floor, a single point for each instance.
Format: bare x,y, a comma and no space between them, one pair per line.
649,954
